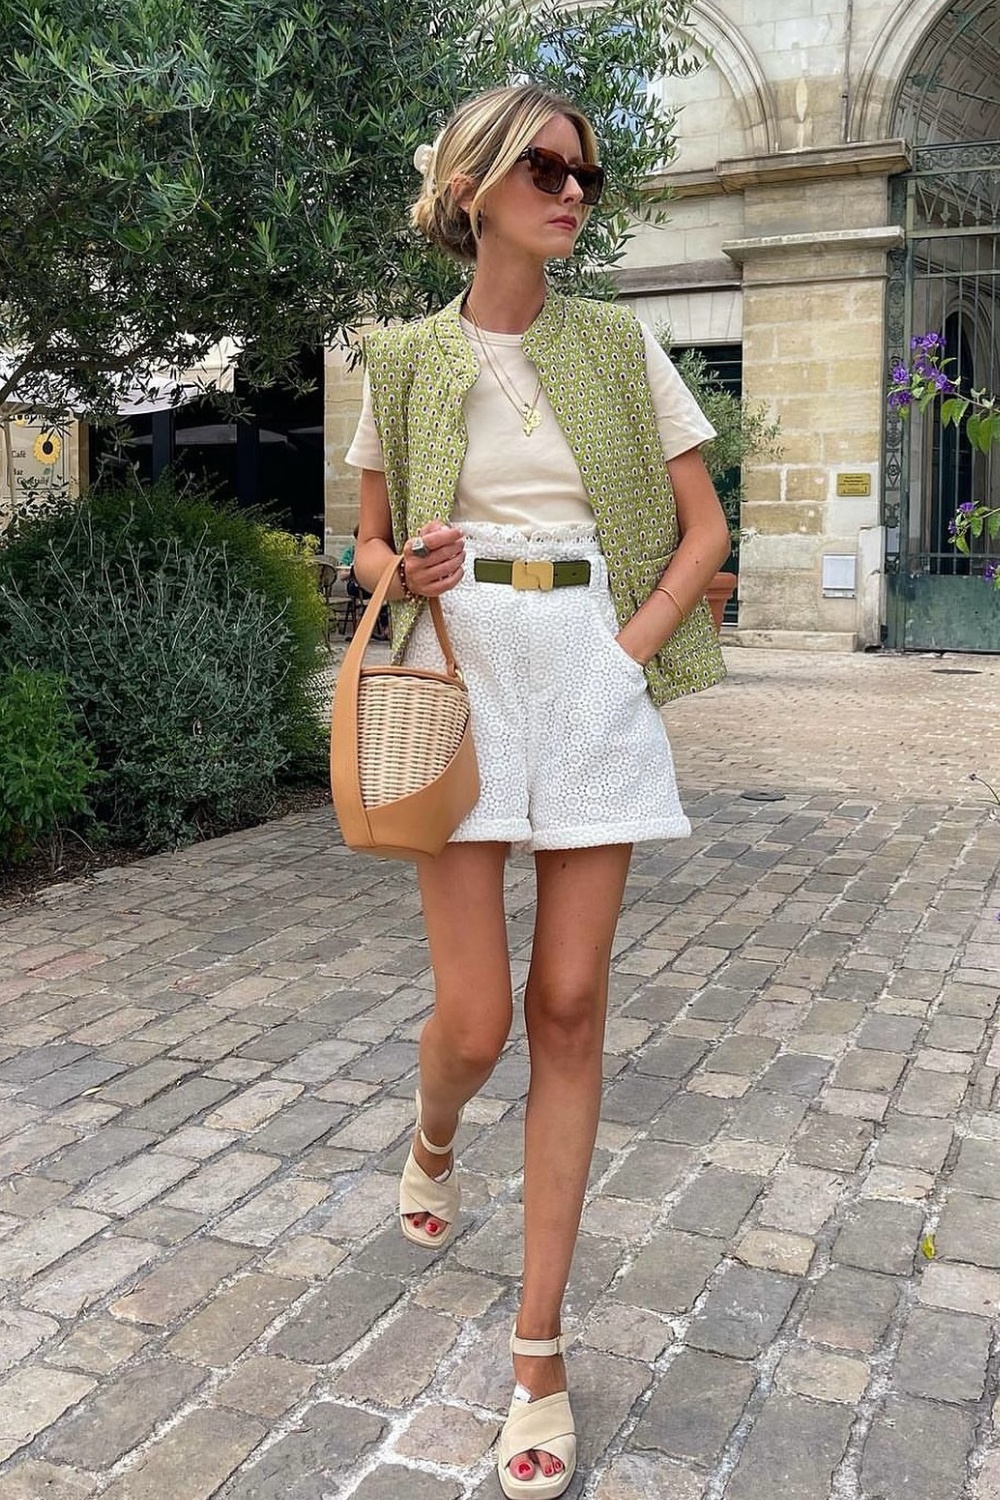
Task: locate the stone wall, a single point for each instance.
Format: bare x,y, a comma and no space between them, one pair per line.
783,172
341,405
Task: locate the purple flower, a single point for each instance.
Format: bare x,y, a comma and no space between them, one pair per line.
926,341
900,400
943,381
967,507
990,572
952,531
900,374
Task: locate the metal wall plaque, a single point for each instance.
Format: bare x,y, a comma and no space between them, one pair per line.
854,486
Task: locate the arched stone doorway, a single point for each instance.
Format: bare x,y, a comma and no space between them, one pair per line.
946,279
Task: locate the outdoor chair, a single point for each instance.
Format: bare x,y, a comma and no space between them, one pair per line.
357,603
337,599
345,602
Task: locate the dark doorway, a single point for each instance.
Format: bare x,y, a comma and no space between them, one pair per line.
273,459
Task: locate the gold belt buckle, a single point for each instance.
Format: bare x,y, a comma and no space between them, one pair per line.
531,575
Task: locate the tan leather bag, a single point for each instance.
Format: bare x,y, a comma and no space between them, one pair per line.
403,768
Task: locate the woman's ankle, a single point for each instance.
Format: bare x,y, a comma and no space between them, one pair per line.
538,1328
436,1128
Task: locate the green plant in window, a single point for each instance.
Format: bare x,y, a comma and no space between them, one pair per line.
744,430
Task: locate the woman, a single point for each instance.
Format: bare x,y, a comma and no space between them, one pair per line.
515,451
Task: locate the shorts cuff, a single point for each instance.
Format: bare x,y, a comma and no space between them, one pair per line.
593,835
492,832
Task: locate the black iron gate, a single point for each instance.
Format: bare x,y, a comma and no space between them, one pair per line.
947,280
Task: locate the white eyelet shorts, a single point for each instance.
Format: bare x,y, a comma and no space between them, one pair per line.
572,752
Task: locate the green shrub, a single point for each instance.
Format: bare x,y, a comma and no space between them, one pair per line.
260,558
45,764
186,634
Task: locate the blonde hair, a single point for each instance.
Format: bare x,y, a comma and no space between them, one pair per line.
481,142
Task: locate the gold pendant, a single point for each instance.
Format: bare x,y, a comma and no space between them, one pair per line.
532,418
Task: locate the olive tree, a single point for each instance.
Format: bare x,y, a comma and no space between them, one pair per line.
173,172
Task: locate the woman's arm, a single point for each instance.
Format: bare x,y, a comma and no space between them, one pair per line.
374,545
703,548
439,571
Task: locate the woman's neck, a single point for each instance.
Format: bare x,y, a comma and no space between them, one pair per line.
500,303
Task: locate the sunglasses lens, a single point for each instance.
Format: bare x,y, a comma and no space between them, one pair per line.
591,180
549,172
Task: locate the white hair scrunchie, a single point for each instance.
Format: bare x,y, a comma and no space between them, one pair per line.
423,159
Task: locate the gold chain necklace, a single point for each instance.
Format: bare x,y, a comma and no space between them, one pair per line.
527,410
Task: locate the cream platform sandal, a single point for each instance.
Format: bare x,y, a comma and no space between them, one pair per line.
546,1424
420,1194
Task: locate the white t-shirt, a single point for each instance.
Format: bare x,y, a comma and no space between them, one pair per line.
531,480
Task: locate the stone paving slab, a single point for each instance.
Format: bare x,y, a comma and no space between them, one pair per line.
787,1282
909,726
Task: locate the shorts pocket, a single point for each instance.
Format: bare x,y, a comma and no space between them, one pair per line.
607,626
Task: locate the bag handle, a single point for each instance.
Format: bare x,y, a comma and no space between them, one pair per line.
366,626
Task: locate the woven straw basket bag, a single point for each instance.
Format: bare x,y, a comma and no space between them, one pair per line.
403,768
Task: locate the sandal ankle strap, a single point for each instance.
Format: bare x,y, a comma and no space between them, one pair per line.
537,1348
429,1145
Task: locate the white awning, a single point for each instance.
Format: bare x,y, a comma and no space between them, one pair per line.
170,386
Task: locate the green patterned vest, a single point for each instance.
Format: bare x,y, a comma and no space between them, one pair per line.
591,362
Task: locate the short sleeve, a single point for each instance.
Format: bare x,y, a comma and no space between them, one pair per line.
681,421
365,451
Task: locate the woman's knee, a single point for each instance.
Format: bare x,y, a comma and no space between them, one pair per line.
566,1018
478,1052
473,1048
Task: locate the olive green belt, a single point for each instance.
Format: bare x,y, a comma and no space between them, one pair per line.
532,575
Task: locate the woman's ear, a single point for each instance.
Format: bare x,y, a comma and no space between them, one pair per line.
463,190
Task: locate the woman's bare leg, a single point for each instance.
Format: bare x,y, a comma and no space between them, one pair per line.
579,900
462,895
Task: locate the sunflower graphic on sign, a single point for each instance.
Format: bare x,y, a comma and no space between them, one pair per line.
48,447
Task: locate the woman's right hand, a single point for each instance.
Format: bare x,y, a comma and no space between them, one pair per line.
441,567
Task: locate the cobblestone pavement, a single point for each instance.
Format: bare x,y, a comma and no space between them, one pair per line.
789,1273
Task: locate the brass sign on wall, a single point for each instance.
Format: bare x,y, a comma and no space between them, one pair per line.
854,486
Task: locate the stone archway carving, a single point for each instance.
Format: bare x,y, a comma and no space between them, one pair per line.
873,108
738,64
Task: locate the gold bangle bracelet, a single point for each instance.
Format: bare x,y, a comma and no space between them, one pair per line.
662,589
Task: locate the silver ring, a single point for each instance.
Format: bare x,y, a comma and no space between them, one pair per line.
418,546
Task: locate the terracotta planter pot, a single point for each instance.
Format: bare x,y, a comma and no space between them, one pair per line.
719,592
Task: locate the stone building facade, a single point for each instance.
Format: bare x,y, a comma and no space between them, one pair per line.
804,182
